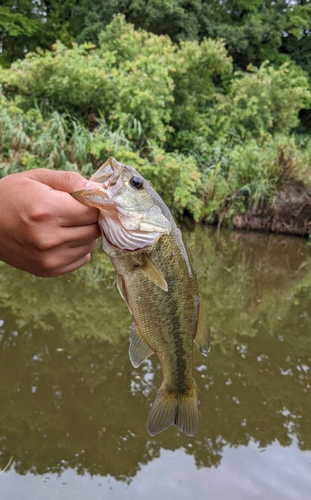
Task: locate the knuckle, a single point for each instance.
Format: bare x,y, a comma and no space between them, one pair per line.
49,264
41,231
42,242
40,213
70,177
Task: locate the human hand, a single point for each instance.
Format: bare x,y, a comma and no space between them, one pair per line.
43,229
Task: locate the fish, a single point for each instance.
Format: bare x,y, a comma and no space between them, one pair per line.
157,280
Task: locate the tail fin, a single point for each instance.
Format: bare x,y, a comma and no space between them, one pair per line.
174,409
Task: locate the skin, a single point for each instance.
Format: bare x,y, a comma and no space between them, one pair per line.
43,229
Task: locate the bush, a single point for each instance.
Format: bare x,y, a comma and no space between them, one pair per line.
263,101
28,140
132,76
211,141
249,174
84,81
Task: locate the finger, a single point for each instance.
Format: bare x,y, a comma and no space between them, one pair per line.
91,246
73,266
59,180
93,243
62,257
71,254
73,213
61,184
79,235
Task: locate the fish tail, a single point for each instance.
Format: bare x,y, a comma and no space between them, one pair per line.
174,409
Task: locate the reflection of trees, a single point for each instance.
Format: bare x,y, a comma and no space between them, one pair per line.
245,277
70,398
78,302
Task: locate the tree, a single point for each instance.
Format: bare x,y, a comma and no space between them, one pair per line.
177,18
26,25
253,30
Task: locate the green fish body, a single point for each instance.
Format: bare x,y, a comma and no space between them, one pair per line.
157,280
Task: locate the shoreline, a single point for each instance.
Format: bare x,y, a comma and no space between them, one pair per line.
288,213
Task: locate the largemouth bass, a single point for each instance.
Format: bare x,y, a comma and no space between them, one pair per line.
156,278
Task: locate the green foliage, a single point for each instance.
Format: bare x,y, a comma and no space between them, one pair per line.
172,93
28,140
246,175
15,24
212,142
84,82
177,18
26,25
18,24
200,76
253,30
260,102
133,77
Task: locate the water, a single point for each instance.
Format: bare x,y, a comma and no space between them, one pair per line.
73,410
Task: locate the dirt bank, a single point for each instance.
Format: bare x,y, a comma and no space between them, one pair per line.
288,213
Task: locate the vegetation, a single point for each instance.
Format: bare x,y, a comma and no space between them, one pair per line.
210,122
254,30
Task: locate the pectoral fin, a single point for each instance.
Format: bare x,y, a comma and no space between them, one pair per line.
122,290
154,274
139,350
203,334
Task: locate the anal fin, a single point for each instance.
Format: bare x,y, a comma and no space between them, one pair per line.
203,333
139,350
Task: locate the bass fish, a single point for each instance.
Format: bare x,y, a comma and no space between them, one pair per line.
156,278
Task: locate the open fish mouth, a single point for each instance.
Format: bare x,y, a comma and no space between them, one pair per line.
103,185
108,173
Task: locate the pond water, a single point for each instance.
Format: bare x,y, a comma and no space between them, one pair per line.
73,409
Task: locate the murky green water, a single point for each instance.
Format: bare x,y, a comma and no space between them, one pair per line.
73,409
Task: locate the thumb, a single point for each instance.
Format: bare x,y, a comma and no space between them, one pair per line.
59,180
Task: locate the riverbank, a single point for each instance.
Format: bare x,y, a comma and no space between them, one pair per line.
288,213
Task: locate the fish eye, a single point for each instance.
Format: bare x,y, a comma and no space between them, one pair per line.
136,182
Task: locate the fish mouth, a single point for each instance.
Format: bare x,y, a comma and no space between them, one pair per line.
92,196
109,172
102,186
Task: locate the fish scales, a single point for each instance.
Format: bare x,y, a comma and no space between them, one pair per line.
167,320
157,280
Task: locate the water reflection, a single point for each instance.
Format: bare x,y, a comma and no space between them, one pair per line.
70,398
173,475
